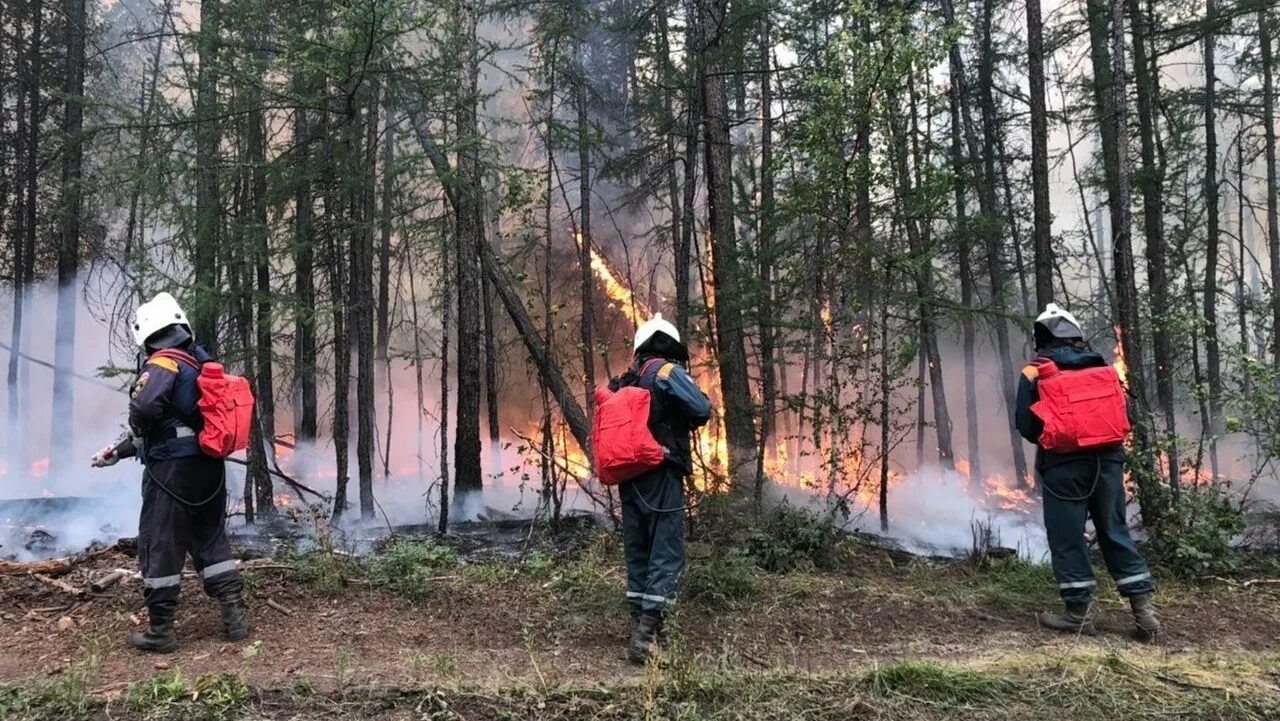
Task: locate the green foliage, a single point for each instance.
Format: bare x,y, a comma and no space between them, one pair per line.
1015,583
1195,536
159,691
214,695
933,681
792,538
406,567
721,578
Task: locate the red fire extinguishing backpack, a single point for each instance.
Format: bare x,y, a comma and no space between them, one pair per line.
624,446
1082,408
225,405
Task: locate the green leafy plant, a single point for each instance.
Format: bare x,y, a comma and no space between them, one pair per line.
793,538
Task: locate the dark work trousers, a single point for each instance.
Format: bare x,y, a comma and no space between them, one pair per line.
1090,488
653,540
184,513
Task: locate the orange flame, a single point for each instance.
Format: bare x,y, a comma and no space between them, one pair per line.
617,291
1121,365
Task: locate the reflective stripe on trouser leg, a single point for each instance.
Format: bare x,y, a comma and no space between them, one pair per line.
1064,522
637,539
217,569
639,598
667,557
162,581
1108,509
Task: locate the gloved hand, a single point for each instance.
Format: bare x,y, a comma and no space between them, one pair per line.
105,457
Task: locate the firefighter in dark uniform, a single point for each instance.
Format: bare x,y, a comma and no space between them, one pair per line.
1079,486
183,490
653,503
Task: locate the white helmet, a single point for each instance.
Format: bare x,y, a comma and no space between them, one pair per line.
1059,323
656,324
157,314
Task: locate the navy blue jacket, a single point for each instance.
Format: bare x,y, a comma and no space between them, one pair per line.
162,407
1029,425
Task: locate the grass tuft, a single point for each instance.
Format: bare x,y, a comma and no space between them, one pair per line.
936,682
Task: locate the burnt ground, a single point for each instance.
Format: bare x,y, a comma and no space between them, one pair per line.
325,625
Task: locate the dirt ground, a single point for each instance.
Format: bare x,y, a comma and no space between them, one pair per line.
509,630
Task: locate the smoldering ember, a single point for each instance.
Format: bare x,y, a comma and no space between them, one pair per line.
683,360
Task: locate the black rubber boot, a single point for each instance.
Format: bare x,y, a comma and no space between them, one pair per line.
1144,615
234,620
158,637
644,640
1074,619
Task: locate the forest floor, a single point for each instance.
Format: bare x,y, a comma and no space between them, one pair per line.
413,632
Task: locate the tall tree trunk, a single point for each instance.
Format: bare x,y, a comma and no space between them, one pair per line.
725,266
1043,241
968,294
1106,36
586,279
991,223
693,104
469,223
1151,182
361,185
1266,36
336,222
491,378
384,246
922,262
304,350
1213,361
28,111
766,253
264,408
208,136
63,425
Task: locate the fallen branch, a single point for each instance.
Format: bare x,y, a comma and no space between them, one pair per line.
60,585
52,566
297,486
279,607
108,580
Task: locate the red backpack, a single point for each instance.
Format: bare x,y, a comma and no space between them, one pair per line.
624,446
1082,409
225,405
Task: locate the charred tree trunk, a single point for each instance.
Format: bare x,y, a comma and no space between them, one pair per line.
64,348
469,224
1043,241
725,265
336,222
25,221
1151,182
491,377
1213,361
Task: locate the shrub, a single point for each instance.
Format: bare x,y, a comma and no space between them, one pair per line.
721,578
1195,536
792,538
407,567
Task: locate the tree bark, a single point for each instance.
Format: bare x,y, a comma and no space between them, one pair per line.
1213,360
693,103
76,19
1266,37
384,246
469,224
1043,241
363,170
735,388
1151,182
28,110
260,252
1106,36
968,294
208,137
766,253
585,277
304,353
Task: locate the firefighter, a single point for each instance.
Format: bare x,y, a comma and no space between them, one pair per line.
183,490
1080,485
653,503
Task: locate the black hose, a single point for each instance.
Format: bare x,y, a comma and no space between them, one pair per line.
1097,475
